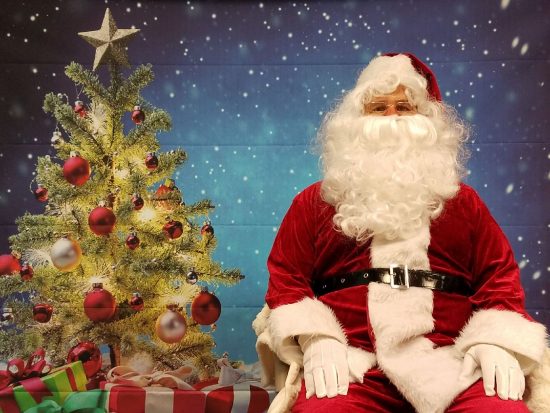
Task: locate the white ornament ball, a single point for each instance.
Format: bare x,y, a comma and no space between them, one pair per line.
171,326
66,254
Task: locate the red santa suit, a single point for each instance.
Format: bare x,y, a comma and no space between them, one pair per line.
417,337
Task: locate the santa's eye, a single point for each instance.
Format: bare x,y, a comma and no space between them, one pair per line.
376,107
403,107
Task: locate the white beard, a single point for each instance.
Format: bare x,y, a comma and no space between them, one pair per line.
388,175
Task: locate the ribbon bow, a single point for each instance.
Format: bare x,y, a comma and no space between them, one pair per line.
172,379
18,370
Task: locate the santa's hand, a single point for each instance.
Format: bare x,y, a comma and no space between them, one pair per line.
326,371
496,363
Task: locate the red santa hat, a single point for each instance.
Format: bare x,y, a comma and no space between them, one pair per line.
424,70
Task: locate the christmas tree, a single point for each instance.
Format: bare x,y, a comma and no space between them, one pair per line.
118,256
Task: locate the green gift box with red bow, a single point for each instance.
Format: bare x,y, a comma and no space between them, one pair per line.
55,386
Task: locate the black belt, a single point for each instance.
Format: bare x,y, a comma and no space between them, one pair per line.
397,277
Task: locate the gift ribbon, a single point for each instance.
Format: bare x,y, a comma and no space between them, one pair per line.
36,366
172,379
82,402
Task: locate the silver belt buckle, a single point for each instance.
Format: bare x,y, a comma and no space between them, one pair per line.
392,277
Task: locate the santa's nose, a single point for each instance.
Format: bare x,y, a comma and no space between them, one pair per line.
390,110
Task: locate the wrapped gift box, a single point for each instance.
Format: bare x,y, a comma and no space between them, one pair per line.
244,397
55,386
154,399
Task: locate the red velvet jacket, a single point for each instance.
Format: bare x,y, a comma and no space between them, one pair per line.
465,242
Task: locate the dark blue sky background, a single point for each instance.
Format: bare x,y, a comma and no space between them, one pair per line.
247,84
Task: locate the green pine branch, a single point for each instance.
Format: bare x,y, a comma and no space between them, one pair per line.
156,120
82,137
128,92
91,85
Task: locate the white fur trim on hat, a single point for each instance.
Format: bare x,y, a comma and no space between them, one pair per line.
386,69
507,329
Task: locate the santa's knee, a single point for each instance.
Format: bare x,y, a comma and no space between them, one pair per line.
494,404
337,404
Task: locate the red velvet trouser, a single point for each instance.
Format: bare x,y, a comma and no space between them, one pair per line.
377,395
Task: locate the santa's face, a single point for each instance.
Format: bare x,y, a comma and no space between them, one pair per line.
395,103
389,169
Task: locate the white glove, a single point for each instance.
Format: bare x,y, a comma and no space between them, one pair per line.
326,371
496,362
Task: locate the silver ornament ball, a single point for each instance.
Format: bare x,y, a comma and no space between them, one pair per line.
65,254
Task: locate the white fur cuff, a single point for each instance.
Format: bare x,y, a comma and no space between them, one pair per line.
306,317
509,330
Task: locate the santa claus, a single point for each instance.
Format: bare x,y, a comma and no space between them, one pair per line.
392,288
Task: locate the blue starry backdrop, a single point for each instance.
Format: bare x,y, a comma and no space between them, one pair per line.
247,84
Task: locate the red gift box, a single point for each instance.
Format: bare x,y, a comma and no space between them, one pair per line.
154,399
245,397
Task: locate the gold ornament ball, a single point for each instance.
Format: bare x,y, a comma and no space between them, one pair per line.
66,254
171,325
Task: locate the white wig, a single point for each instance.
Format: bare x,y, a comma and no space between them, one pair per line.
347,139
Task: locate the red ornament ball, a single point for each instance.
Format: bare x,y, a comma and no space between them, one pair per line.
102,220
80,108
26,272
138,202
167,196
206,308
42,313
151,161
9,264
173,229
99,304
207,228
76,170
132,241
90,356
137,115
192,277
136,302
41,194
